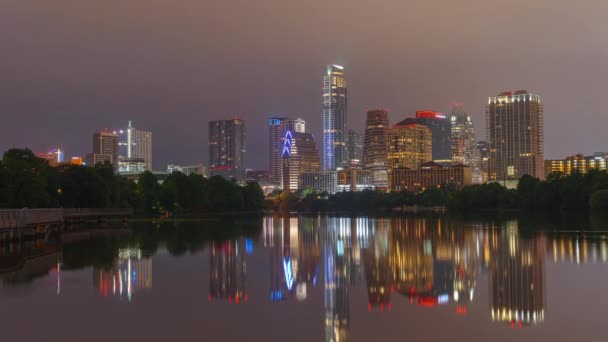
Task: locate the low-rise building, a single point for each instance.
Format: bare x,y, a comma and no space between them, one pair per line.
430,174
576,163
198,169
131,165
354,180
323,181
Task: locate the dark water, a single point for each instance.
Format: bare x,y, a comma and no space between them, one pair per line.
308,279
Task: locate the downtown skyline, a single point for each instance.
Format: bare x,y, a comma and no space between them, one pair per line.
174,86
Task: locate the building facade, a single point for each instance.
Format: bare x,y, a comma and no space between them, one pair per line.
354,180
299,156
409,145
199,169
105,148
354,149
139,145
484,157
375,147
227,139
334,117
429,175
464,143
277,127
576,163
441,132
514,129
324,181
131,165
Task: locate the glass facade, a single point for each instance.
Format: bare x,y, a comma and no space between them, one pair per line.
334,117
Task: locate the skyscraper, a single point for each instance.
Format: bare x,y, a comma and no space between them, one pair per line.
375,147
440,130
514,129
277,128
227,148
409,145
139,145
334,117
299,156
354,149
464,143
105,148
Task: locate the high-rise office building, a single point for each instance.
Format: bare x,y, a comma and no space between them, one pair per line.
375,147
514,129
277,127
441,132
409,145
464,143
227,148
105,148
354,148
334,117
299,156
139,145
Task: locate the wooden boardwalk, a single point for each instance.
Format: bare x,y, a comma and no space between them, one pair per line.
11,219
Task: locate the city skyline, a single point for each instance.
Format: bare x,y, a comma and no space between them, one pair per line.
175,79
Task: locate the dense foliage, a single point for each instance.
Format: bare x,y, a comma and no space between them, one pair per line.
559,193
28,181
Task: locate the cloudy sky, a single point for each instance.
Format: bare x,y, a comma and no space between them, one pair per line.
70,67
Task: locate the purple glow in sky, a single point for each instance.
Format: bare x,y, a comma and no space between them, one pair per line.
69,68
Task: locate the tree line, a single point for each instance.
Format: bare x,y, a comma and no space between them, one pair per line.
29,181
570,193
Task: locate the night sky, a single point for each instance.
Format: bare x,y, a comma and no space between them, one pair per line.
71,67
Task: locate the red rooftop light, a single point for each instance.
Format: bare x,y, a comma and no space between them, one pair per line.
429,114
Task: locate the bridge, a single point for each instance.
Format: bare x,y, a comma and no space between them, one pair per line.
16,219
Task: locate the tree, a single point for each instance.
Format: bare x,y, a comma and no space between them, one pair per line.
25,179
599,201
149,190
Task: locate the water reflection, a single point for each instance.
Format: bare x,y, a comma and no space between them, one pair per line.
416,262
130,273
227,271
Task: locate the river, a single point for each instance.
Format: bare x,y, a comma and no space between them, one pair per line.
308,278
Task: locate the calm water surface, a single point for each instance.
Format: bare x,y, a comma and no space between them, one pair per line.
307,279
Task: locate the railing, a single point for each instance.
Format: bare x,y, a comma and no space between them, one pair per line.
19,218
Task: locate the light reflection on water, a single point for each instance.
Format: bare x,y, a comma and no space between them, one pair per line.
406,266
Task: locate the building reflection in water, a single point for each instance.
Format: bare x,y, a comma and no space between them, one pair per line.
377,270
517,285
429,261
228,271
295,256
433,263
130,273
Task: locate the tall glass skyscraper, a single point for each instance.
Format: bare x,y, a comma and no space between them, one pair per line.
464,143
353,149
334,117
